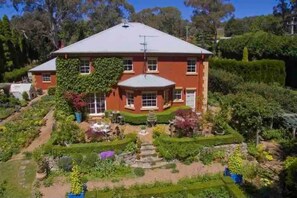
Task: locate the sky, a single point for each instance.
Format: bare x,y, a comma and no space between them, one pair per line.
243,8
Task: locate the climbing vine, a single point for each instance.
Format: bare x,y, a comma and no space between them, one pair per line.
106,73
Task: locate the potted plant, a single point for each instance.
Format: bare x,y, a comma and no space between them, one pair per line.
235,167
142,130
76,184
77,102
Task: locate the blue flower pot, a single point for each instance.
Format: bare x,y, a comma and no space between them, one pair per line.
78,117
237,178
81,195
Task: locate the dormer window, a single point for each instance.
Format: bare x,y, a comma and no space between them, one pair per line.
84,67
152,65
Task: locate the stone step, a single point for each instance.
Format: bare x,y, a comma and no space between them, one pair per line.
146,153
149,159
148,147
146,144
149,166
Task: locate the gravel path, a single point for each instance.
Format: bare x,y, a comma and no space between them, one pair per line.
59,189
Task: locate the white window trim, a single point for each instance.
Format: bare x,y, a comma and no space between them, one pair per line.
129,71
147,68
50,80
195,72
181,95
149,107
127,106
85,59
98,114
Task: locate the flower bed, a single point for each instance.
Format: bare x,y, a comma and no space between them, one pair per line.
20,132
221,187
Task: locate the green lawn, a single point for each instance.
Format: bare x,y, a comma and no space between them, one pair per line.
10,172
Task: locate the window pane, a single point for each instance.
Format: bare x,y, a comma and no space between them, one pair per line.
149,100
46,77
84,67
191,67
177,94
152,65
128,64
130,99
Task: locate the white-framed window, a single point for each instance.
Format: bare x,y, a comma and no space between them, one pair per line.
96,103
166,96
46,77
177,94
84,67
129,99
128,64
152,64
191,65
149,99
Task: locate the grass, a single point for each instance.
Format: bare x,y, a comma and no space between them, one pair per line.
10,173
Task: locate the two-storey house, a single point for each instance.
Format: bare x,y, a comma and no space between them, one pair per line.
160,70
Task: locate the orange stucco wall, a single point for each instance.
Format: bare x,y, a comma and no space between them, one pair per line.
37,80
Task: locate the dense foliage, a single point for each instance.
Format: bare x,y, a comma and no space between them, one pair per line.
222,81
267,71
106,74
21,132
14,51
290,176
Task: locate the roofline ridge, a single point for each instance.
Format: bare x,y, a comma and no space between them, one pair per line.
85,39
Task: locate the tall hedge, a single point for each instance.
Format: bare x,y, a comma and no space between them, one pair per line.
267,71
106,73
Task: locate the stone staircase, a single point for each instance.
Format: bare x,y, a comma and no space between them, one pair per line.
148,158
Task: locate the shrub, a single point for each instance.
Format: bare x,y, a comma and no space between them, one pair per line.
39,91
285,97
170,166
75,178
273,134
25,96
290,177
222,81
65,163
131,147
51,91
235,162
90,160
267,71
245,54
16,74
77,158
139,172
162,117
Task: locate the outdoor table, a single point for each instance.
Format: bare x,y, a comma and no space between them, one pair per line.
100,128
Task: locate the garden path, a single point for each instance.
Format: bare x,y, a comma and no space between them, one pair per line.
59,189
44,136
16,114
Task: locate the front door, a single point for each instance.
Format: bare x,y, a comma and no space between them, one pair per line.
190,99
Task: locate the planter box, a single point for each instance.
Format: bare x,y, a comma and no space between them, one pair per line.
237,178
81,195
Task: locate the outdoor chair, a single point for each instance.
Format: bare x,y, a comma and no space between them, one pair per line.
151,119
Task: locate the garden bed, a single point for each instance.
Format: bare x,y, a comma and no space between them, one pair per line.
21,131
218,187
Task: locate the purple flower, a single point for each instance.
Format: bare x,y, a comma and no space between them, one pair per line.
106,154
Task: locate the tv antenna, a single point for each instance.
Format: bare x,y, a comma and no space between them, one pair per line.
144,44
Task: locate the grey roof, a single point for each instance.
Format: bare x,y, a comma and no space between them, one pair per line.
146,81
20,87
47,66
120,39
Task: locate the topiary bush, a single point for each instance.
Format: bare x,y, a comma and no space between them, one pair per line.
25,96
139,172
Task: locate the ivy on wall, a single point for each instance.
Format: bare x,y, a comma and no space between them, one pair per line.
106,74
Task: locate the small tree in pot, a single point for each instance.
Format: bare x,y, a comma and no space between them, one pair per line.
235,166
76,183
76,100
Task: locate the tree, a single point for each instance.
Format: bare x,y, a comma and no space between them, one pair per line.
104,14
209,14
166,19
56,12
